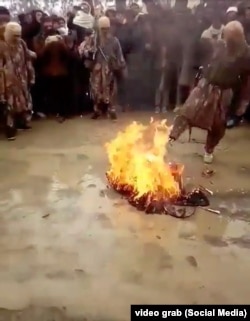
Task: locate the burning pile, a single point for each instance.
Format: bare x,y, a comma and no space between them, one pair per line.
138,171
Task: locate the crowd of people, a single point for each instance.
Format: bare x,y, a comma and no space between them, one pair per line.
94,60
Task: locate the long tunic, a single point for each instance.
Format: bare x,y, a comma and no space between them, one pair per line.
7,85
108,57
7,70
25,75
207,104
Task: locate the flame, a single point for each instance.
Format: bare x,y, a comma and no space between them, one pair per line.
137,162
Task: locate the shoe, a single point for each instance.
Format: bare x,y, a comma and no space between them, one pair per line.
176,109
208,158
164,110
61,119
112,115
157,110
10,133
124,108
23,126
233,122
41,115
95,115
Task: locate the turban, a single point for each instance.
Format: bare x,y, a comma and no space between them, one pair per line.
103,22
13,28
232,9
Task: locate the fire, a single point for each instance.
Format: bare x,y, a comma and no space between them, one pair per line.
137,162
139,171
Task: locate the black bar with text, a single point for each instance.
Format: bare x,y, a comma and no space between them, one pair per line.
191,312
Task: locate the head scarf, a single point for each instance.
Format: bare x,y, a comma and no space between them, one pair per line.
84,18
103,22
12,28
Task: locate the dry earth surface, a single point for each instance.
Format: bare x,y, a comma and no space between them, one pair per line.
70,249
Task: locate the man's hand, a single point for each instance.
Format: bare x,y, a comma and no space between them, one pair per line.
32,54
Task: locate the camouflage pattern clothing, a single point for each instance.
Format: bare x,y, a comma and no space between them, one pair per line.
25,76
103,86
107,61
7,86
205,108
208,103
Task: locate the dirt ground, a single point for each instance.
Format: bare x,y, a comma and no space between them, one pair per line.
70,249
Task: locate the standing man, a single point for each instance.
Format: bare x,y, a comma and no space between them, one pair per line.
208,103
104,53
24,74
